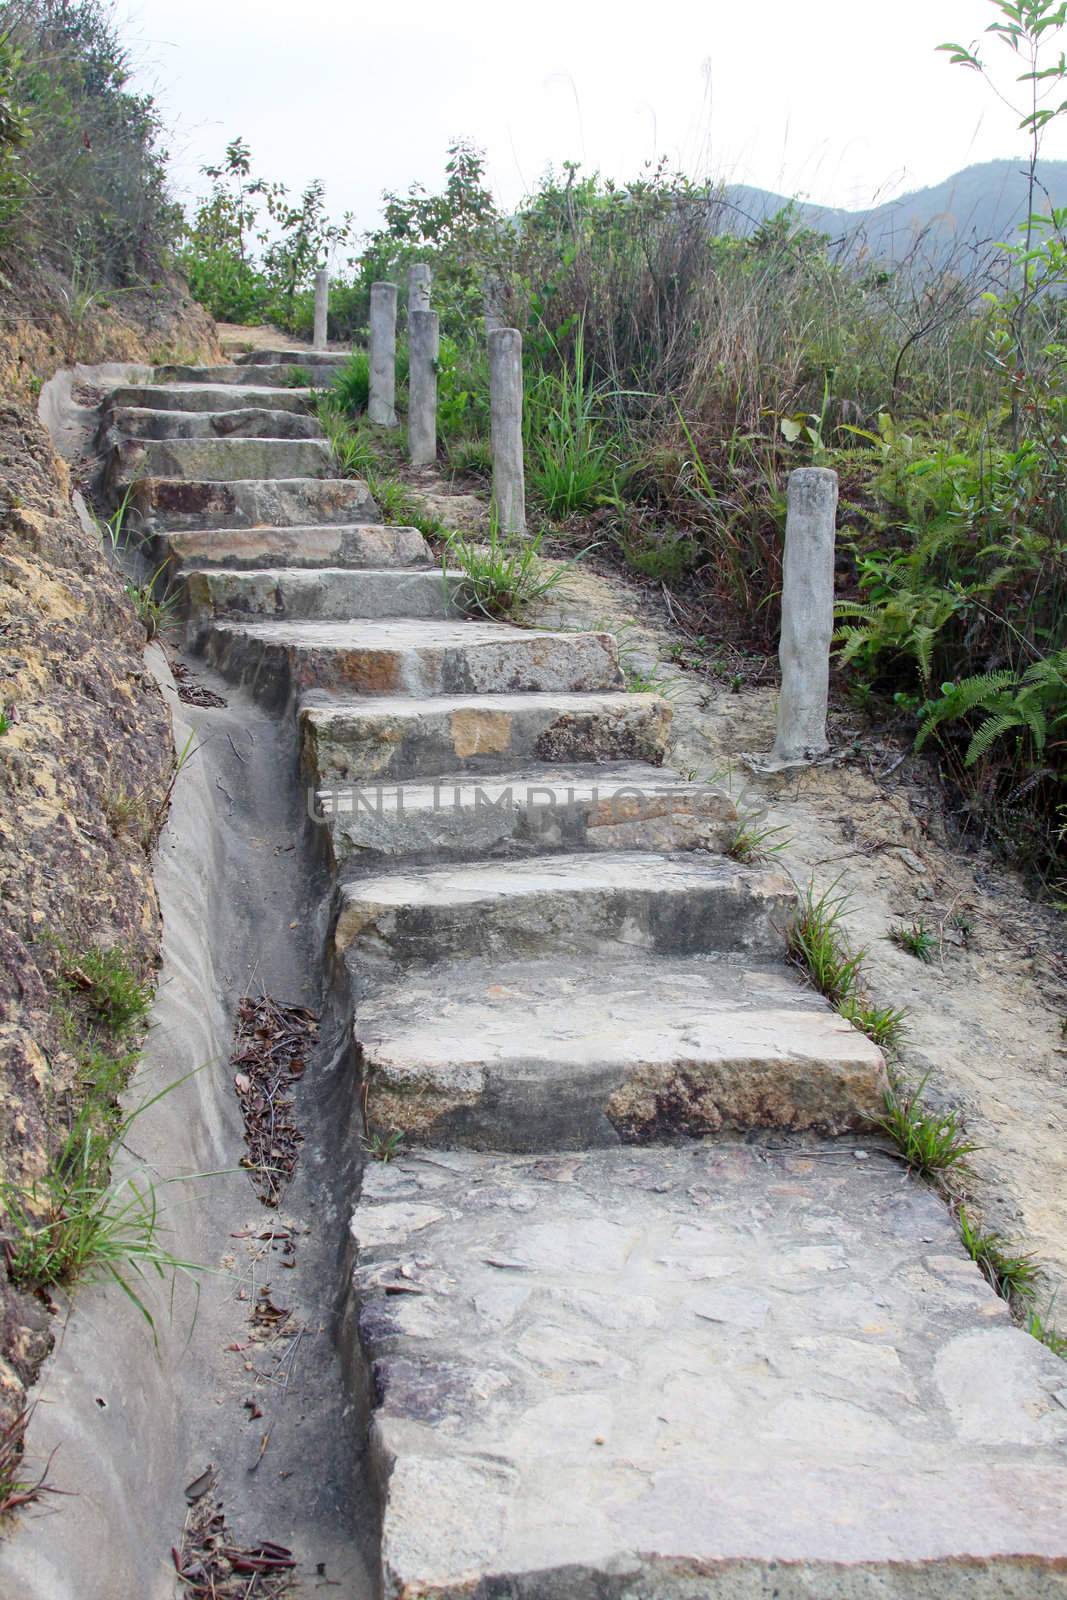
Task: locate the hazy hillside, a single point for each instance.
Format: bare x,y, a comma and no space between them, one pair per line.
969,212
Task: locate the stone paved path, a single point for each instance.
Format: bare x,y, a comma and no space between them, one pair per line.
600,1357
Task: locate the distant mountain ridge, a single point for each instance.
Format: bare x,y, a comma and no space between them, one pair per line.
965,215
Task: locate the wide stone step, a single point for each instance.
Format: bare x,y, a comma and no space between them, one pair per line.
457,817
240,422
417,658
204,397
353,546
321,593
345,741
312,359
697,1373
281,375
541,1055
179,503
568,905
220,460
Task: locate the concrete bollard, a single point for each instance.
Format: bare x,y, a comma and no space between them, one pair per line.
322,306
422,387
419,287
807,615
492,299
505,406
381,405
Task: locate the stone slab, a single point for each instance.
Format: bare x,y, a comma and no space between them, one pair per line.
529,811
179,503
358,545
413,658
356,740
543,1055
207,397
238,422
321,593
697,1373
566,905
301,358
219,460
277,376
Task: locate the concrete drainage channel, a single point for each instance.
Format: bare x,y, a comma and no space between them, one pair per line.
626,1317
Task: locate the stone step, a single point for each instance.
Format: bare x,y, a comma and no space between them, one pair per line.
239,422
178,504
696,1373
219,460
204,397
417,658
457,817
337,594
311,359
391,738
360,545
539,1055
566,905
278,376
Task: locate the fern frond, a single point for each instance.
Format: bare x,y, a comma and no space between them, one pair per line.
990,730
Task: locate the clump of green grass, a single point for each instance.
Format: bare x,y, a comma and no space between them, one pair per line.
756,840
155,610
401,507
108,984
884,1025
573,458
295,377
816,944
933,1143
666,559
1015,1277
501,576
73,1223
350,387
471,455
916,938
1038,1326
383,1147
5,723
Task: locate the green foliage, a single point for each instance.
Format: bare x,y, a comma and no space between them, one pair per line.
573,460
250,253
350,388
665,557
885,1025
108,984
384,1147
756,840
82,179
1014,1277
817,945
916,938
499,577
470,455
933,1143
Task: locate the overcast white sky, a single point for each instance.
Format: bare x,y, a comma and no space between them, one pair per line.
841,101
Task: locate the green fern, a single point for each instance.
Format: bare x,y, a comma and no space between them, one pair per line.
1032,704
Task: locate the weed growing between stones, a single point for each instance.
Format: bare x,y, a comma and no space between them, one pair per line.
931,1142
499,577
816,945
756,841
114,993
1014,1277
383,1147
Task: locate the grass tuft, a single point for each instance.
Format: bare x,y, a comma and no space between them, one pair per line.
916,938
111,989
1014,1277
499,577
756,841
933,1143
817,946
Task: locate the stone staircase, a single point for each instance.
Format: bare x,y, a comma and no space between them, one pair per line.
627,1320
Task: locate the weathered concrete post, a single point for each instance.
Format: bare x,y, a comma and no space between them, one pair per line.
381,405
807,615
419,287
505,408
322,306
422,387
491,299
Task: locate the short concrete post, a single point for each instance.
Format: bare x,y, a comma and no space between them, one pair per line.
492,300
422,387
807,615
505,409
381,405
419,287
322,306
